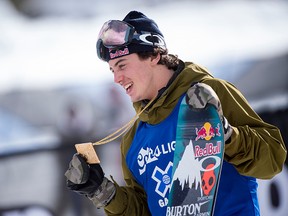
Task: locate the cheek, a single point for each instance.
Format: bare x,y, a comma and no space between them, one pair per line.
141,74
144,82
145,75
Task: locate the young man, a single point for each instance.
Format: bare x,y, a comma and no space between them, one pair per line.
137,55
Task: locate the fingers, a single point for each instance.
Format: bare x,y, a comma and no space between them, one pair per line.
200,94
84,178
96,171
78,171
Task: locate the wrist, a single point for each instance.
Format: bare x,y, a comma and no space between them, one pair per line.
103,194
227,130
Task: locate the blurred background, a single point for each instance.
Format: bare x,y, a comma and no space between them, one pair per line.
54,92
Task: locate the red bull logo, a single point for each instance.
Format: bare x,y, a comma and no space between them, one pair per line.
118,53
207,131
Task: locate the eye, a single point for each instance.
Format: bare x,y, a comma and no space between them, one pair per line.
111,70
122,66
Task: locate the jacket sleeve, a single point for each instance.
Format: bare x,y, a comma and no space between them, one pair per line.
256,148
130,199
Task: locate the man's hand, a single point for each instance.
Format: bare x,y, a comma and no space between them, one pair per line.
88,179
199,95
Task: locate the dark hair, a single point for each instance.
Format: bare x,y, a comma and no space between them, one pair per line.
170,60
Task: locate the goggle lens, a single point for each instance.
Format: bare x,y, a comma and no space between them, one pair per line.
116,33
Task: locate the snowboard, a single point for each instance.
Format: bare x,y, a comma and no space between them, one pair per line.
197,161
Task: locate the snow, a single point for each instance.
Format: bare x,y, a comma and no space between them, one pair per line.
57,51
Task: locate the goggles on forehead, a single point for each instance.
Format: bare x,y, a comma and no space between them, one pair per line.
116,34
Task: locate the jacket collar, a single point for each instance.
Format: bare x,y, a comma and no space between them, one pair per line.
167,98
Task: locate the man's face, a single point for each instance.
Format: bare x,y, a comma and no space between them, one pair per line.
135,76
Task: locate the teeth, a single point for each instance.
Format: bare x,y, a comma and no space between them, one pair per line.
128,86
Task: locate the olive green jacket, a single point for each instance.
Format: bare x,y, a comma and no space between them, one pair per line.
256,148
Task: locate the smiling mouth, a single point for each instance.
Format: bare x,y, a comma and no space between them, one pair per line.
127,87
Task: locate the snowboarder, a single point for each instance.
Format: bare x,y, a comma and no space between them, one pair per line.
137,55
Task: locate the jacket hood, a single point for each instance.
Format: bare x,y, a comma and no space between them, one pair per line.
164,105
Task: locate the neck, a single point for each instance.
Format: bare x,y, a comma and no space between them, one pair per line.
159,80
162,77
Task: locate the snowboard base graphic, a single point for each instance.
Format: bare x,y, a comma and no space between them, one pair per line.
197,161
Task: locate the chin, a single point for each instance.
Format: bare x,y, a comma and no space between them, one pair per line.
134,100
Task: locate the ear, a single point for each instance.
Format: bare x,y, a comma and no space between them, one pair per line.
155,59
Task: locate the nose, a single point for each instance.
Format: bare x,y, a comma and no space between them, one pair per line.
118,77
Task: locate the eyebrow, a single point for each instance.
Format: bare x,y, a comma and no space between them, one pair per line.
117,63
